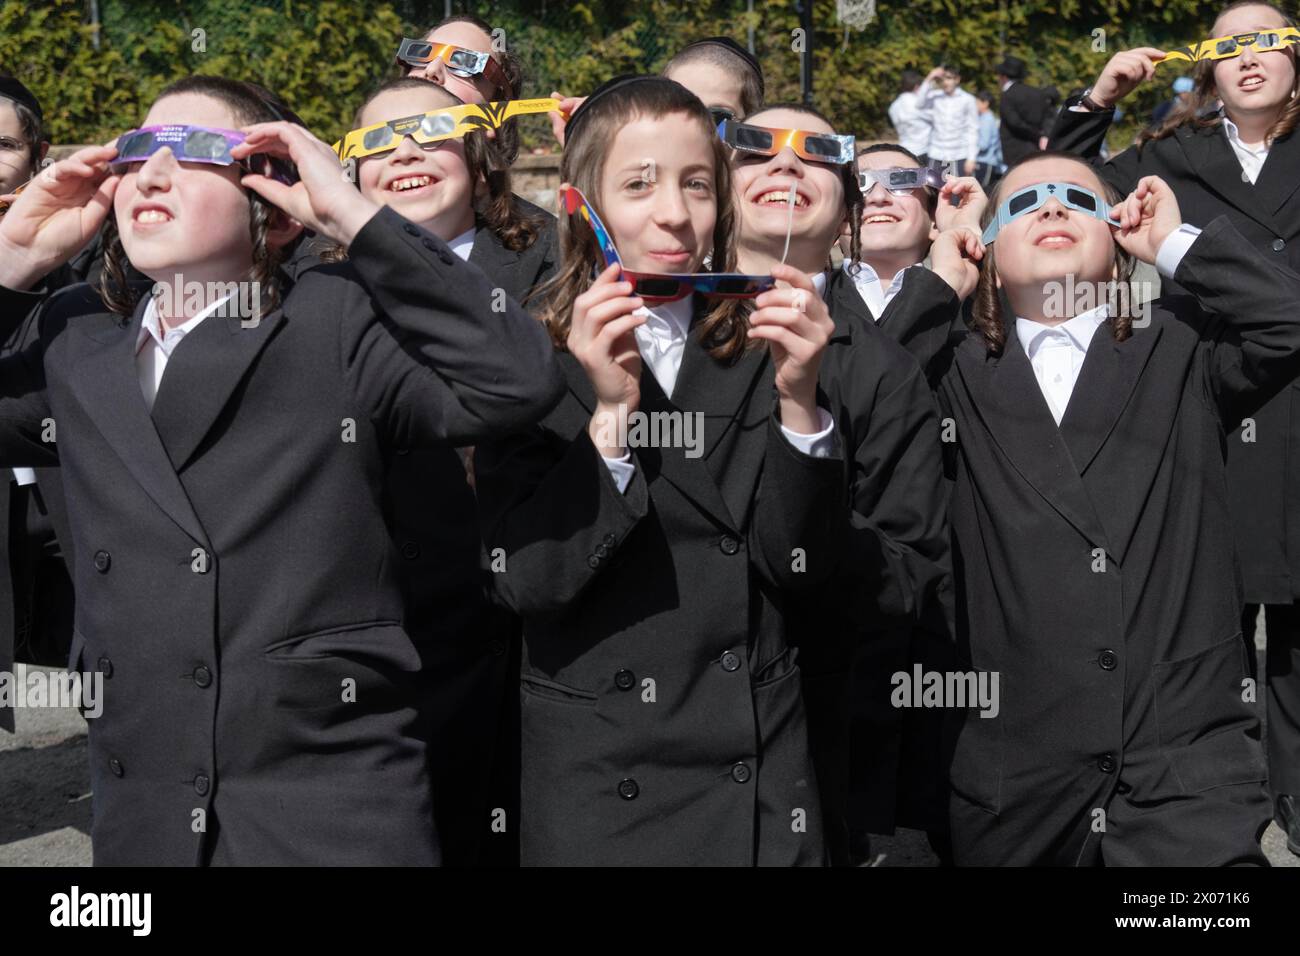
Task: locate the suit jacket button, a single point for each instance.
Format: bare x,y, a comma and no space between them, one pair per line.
624,679
602,551
411,230
446,257
627,789
730,662
202,676
729,545
497,647
115,765
611,540
1107,763
1279,245
105,666
410,550
593,562
403,451
1108,660
102,560
201,783
740,773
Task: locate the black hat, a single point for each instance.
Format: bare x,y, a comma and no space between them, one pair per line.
1013,68
731,46
10,88
618,82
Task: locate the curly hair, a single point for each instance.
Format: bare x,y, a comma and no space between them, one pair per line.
248,106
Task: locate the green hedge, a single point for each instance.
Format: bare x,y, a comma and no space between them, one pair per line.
322,57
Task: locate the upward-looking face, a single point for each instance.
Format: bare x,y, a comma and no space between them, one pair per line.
950,81
429,185
762,184
15,152
476,89
712,84
658,193
1053,241
894,223
1253,83
190,219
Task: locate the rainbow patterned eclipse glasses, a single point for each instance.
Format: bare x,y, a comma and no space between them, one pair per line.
657,287
768,141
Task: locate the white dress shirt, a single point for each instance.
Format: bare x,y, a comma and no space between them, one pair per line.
1056,352
874,292
956,119
1251,157
662,344
463,244
911,121
154,347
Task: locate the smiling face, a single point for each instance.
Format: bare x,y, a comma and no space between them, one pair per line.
430,185
1053,241
475,89
712,84
763,183
895,226
658,193
15,153
189,219
1253,84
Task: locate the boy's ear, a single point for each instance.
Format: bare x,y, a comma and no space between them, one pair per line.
281,229
45,148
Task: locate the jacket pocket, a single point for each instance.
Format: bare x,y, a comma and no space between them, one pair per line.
977,763
360,669
540,687
1208,733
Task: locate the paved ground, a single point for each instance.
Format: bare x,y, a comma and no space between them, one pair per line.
45,800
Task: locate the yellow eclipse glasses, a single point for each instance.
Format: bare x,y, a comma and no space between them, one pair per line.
1221,48
435,126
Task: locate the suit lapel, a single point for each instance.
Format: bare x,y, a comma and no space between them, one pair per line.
1278,181
203,371
1007,398
1212,159
1110,373
499,264
108,387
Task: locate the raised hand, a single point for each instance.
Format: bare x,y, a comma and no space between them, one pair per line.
971,202
1123,73
954,258
601,339
1146,218
796,324
323,199
56,215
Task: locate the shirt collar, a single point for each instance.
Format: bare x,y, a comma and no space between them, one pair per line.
867,273
1234,137
463,244
151,325
1079,330
671,320
819,283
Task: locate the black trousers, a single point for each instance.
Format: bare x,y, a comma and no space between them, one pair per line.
1282,667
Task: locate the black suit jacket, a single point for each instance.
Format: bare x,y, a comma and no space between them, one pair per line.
20,331
1095,571
1200,167
236,583
858,631
1021,108
663,721
472,644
